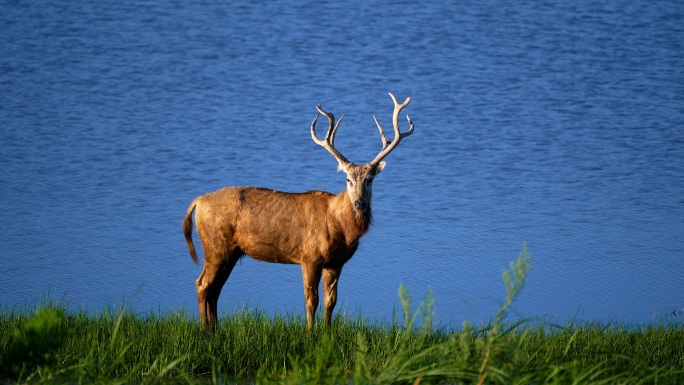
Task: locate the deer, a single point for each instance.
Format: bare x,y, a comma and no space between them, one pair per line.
315,229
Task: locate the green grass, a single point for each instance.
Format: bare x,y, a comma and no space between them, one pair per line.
51,344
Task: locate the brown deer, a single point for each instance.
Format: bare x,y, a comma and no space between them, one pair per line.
318,230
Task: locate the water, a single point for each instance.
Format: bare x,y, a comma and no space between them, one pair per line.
555,124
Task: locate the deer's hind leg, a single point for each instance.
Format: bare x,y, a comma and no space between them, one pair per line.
202,297
209,285
220,256
204,284
215,287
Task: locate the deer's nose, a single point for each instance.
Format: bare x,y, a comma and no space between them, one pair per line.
360,204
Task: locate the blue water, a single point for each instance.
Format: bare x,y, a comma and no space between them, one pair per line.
552,123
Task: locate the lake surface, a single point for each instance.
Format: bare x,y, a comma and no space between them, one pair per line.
552,123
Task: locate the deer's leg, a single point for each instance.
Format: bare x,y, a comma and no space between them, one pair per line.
207,294
330,279
212,297
202,284
312,277
215,289
202,298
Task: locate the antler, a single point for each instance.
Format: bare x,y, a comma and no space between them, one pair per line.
329,142
397,135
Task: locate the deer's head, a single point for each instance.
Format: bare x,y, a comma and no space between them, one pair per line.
360,178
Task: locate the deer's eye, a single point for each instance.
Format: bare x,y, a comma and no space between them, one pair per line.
349,181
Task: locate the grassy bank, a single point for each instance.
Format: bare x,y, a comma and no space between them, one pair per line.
117,346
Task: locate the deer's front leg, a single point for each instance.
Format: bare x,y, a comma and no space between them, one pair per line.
312,277
330,279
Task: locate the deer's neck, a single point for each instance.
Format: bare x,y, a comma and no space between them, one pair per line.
354,224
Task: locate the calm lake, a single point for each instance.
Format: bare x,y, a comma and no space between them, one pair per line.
555,124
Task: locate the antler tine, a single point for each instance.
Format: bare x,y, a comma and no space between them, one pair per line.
332,137
329,136
331,120
385,142
398,136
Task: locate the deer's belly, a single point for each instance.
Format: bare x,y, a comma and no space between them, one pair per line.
268,253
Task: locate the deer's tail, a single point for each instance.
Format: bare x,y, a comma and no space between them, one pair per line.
187,231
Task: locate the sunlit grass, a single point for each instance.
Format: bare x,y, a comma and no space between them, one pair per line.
49,344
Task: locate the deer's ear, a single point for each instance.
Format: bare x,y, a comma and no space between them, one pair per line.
379,167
